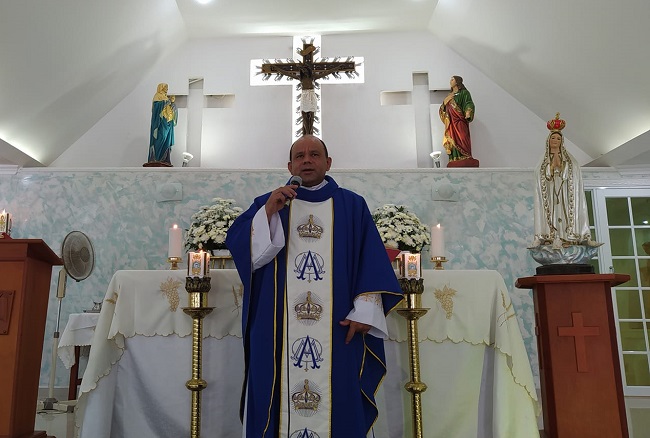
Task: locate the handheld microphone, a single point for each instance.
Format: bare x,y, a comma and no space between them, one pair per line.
294,181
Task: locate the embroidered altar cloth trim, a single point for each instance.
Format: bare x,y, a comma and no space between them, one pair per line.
147,310
142,303
471,307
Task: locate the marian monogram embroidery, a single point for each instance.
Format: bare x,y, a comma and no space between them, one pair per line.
309,265
304,433
307,352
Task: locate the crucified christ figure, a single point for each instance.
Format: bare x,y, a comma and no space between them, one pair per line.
308,72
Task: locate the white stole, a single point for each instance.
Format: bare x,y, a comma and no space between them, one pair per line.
305,400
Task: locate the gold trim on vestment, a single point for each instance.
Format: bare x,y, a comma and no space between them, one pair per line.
275,346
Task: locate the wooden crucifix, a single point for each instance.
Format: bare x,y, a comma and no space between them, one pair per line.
308,72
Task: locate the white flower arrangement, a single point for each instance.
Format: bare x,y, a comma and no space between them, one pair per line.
210,225
401,229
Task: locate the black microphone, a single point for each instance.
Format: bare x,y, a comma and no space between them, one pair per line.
294,181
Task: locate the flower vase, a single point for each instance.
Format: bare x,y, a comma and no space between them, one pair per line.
220,259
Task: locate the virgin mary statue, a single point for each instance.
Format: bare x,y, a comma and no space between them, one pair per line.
561,215
163,119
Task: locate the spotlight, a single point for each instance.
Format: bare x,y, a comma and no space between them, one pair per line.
436,157
187,157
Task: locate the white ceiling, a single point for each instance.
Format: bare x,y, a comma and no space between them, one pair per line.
588,59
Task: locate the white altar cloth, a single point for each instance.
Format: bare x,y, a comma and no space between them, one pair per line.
472,358
78,332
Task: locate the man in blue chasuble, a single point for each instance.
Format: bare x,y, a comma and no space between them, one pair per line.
317,286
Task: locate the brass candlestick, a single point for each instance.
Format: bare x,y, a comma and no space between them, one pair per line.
219,261
173,261
197,289
438,262
413,289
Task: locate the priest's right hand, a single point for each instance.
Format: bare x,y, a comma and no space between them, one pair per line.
278,199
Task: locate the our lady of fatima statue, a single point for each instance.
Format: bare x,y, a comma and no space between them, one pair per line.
562,234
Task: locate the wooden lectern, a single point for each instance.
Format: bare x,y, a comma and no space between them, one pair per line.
582,393
25,272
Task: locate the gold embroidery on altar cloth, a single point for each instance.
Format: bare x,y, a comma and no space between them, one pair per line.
507,308
237,294
112,299
169,288
445,296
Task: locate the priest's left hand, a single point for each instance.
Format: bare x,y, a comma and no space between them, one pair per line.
354,327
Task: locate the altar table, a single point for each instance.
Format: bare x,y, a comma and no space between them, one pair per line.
78,332
472,356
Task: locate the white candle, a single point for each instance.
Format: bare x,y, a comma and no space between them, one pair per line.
412,266
198,264
175,241
437,241
5,222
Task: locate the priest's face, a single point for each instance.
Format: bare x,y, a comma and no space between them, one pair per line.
309,160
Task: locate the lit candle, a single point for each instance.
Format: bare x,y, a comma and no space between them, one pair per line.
412,265
5,222
175,241
198,264
437,241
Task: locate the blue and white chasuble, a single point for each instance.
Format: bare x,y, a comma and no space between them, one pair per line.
301,379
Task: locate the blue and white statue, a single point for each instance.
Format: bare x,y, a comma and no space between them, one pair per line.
164,116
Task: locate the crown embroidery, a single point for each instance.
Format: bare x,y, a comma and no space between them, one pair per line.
310,229
306,401
308,310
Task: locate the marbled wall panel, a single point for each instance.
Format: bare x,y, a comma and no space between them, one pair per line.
488,227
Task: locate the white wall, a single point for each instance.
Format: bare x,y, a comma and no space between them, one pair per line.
360,133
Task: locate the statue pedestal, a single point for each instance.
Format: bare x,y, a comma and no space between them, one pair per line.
467,162
580,374
565,269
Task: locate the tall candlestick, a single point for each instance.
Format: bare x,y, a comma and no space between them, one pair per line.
175,241
437,241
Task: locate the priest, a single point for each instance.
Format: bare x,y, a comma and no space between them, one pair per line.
317,286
